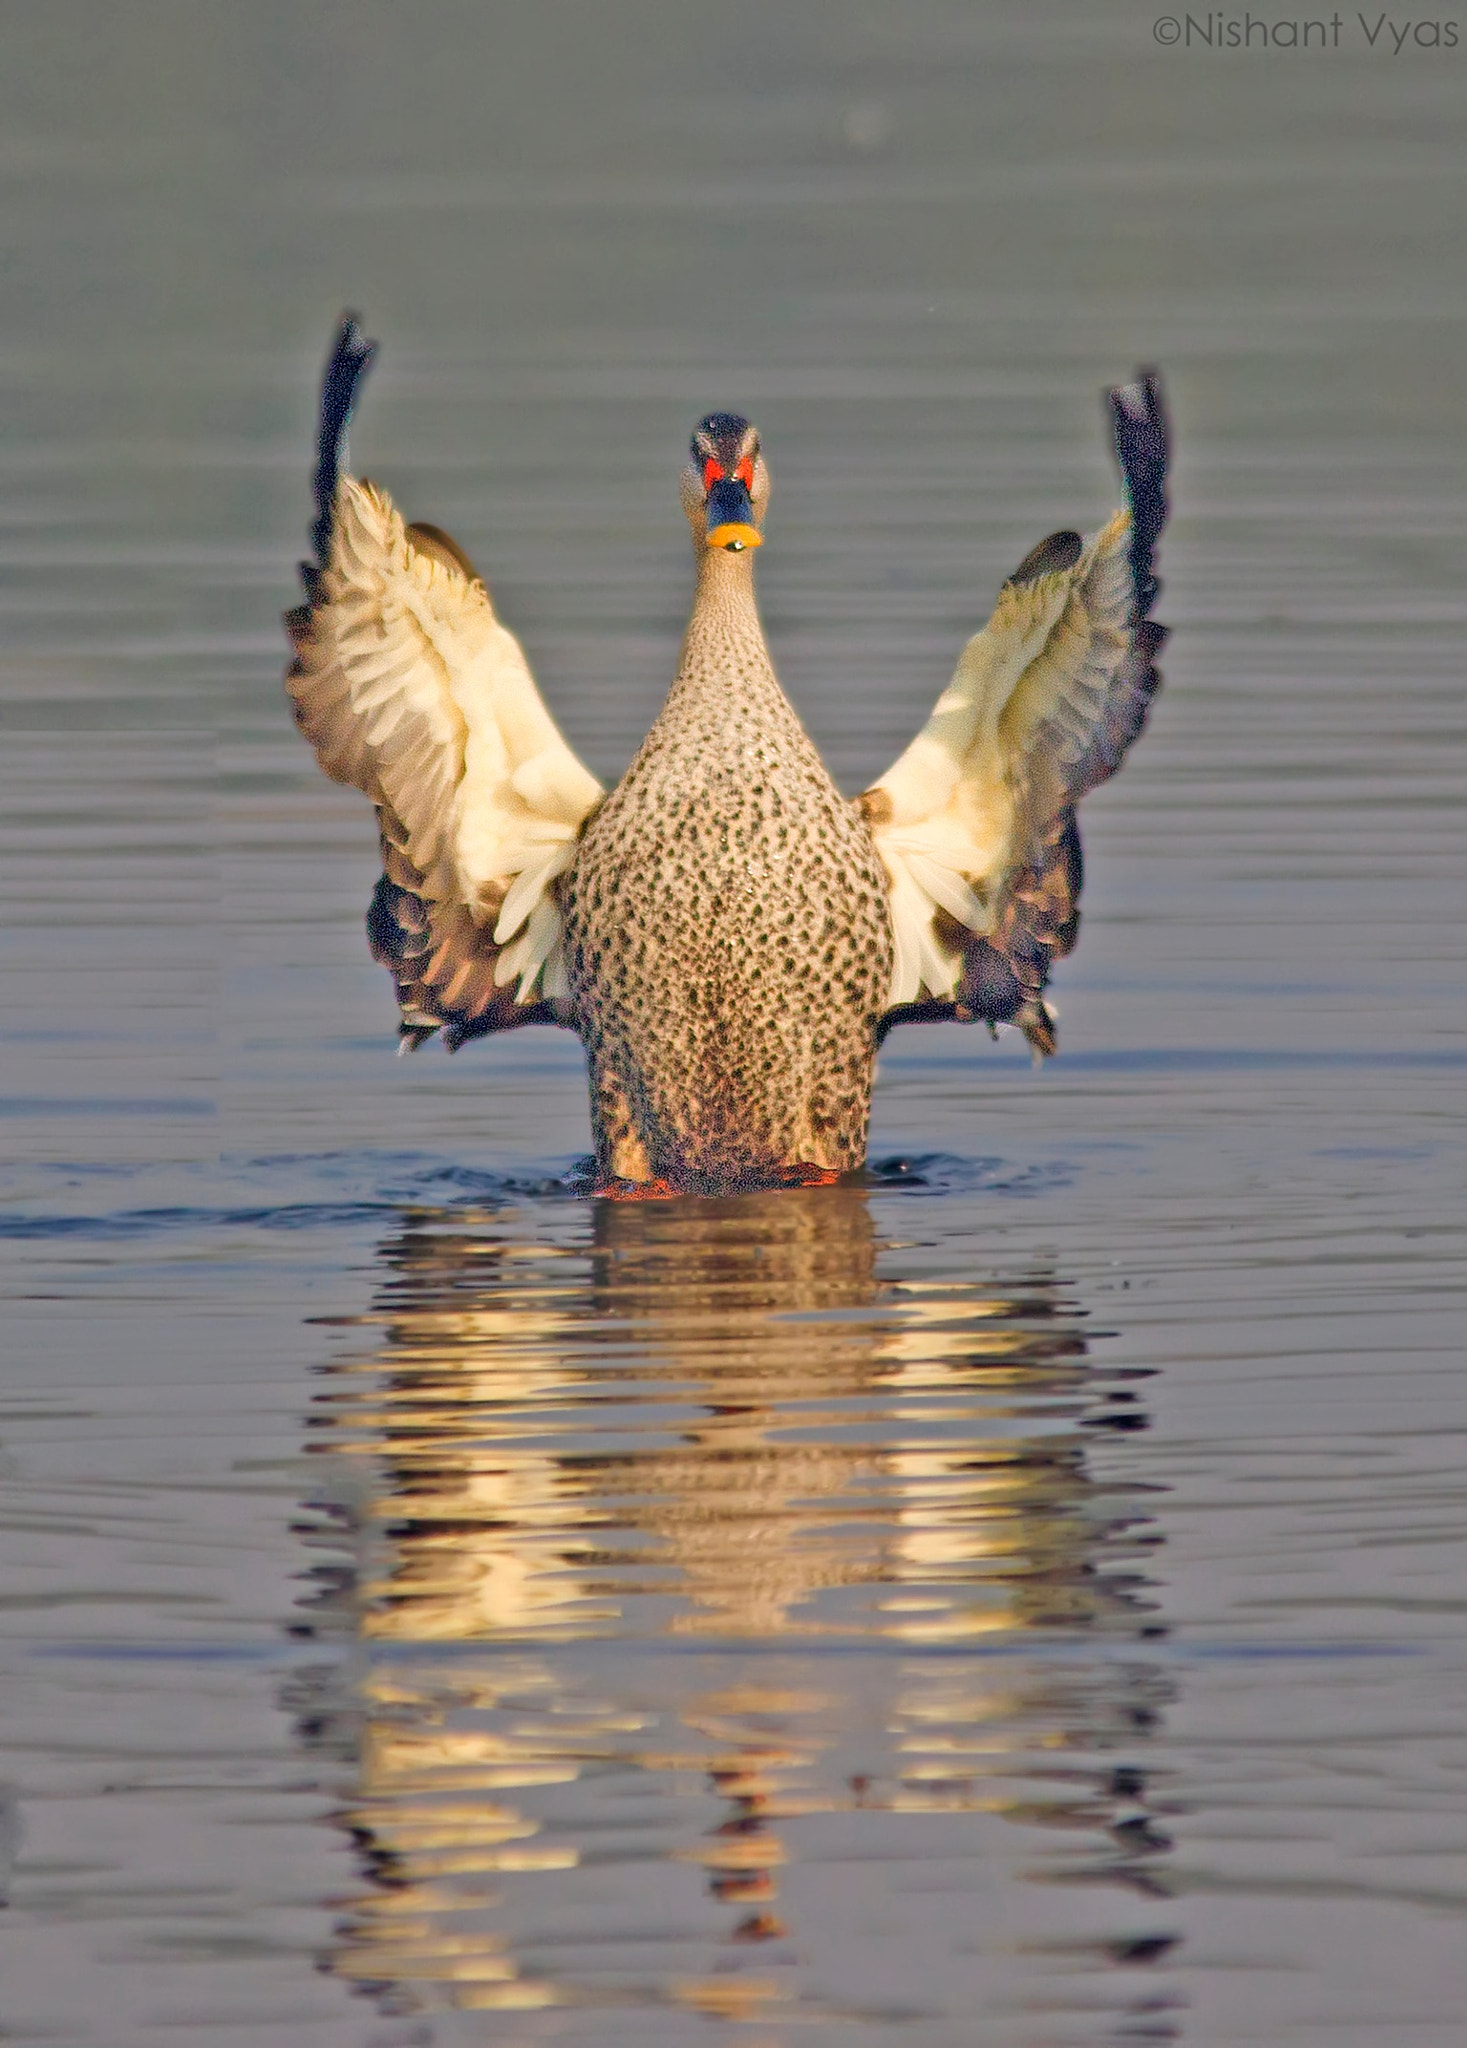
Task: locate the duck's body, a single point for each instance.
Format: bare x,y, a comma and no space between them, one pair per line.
729,936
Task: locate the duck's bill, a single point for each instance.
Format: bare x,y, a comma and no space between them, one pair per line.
731,517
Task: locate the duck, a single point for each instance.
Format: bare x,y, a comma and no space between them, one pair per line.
730,937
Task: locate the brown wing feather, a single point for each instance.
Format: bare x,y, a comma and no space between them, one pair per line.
442,963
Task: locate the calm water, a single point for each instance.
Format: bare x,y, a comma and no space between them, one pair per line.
1017,1602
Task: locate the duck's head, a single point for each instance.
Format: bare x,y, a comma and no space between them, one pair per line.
726,484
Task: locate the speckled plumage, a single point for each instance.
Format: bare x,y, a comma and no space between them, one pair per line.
727,935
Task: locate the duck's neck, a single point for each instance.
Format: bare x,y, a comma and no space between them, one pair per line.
723,649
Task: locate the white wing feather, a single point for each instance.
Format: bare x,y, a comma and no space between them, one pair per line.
410,689
957,818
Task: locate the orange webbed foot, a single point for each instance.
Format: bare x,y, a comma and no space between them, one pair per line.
634,1191
804,1174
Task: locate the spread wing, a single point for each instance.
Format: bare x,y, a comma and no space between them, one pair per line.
976,821
408,687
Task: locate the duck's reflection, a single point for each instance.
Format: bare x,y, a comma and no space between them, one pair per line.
687,1546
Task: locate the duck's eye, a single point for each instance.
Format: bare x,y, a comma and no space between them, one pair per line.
745,472
712,473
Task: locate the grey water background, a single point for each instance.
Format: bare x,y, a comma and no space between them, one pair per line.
1018,1602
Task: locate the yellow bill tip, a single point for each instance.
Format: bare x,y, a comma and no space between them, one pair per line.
735,536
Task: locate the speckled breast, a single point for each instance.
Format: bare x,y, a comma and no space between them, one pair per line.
729,950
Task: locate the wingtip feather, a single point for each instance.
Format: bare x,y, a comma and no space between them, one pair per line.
350,358
1143,448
